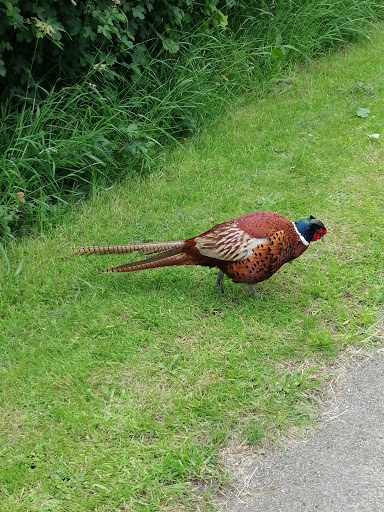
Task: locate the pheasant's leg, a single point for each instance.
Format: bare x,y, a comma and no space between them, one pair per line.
219,281
253,291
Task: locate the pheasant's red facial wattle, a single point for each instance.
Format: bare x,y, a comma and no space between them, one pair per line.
318,234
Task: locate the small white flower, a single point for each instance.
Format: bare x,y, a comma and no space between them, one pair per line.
100,67
48,150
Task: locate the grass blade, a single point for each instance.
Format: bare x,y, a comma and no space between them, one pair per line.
19,267
2,250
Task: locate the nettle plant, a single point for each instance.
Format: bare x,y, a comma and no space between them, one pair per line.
50,39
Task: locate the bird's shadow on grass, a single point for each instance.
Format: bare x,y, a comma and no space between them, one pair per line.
176,302
197,288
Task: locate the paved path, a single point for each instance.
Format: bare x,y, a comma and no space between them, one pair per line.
339,467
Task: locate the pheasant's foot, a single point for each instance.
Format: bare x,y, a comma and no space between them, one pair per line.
219,281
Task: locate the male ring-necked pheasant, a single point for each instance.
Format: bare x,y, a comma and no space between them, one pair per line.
248,249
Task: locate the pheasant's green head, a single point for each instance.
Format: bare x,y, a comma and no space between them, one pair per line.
310,229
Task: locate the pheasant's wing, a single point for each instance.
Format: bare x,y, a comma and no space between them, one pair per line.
265,260
227,242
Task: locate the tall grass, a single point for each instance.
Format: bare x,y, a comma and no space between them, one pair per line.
61,143
58,145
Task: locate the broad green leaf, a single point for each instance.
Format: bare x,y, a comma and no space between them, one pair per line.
89,33
220,20
277,53
132,128
105,30
75,26
120,16
170,45
138,11
126,42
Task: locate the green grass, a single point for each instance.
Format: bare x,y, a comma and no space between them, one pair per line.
58,145
119,391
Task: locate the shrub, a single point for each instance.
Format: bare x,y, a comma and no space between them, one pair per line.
52,39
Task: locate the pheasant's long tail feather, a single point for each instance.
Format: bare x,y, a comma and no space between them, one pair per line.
165,259
144,248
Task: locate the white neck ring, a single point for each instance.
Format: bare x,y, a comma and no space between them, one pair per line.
303,240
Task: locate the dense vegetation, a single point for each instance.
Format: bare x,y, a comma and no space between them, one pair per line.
91,91
51,40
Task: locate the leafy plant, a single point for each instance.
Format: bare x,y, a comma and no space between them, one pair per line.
48,40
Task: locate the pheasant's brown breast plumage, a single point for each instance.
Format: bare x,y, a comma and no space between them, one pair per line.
264,261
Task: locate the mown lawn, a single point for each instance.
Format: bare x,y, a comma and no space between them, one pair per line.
118,391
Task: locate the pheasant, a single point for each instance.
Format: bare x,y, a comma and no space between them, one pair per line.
248,249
